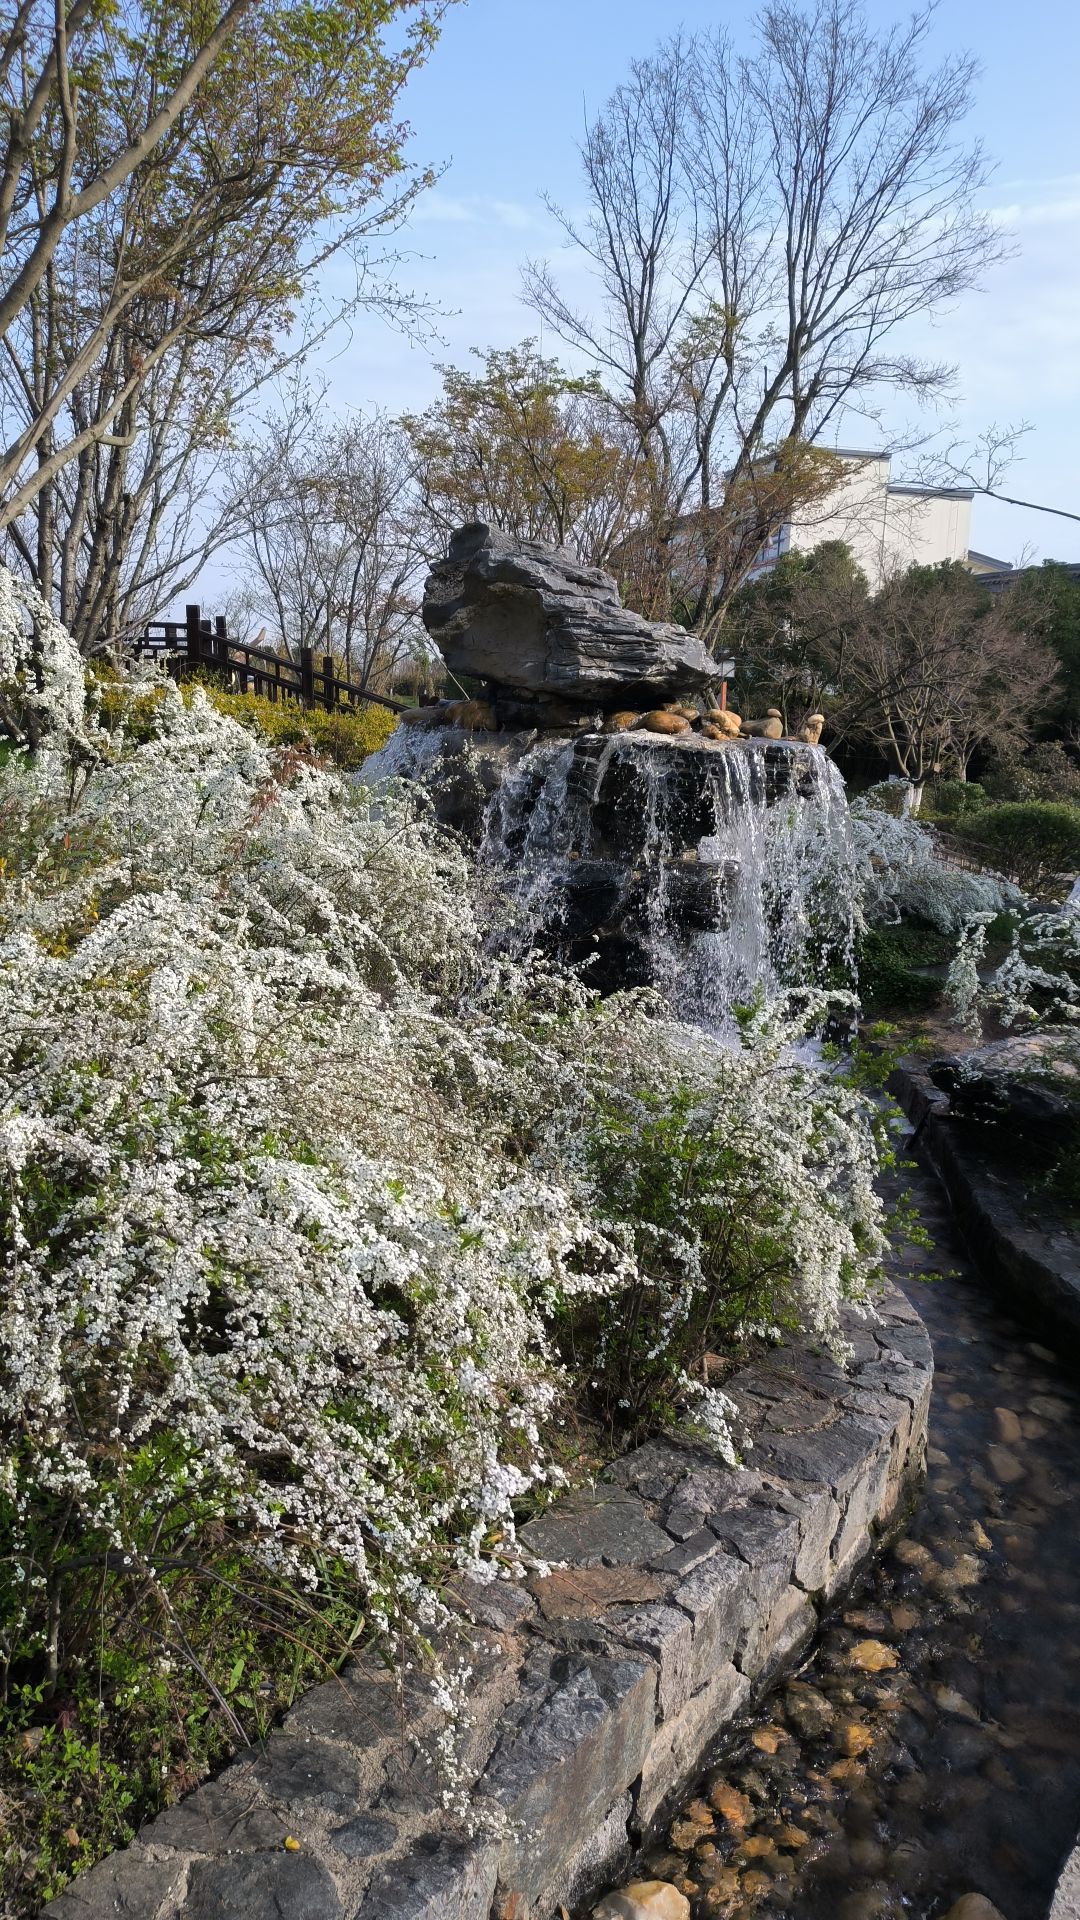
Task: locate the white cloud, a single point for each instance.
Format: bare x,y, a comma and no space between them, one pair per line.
510,213
437,209
474,210
1038,213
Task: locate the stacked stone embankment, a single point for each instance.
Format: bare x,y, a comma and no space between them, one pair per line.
684,1588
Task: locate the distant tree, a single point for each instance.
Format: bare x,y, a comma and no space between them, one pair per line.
938,669
1045,771
789,631
1045,602
332,541
530,448
761,227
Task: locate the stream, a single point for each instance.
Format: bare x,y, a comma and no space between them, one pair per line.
930,1744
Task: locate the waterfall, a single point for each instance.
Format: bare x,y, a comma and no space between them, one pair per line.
407,755
711,872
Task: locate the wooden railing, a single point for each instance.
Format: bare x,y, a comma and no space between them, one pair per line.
199,645
964,858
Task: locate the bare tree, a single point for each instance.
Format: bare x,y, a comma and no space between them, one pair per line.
984,465
332,538
761,226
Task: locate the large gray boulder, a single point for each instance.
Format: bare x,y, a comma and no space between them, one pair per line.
527,615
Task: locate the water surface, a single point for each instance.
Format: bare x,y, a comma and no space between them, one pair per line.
954,1767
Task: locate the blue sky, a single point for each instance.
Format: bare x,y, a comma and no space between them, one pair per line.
502,103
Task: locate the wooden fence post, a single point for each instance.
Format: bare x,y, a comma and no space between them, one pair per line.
193,628
328,681
221,651
307,677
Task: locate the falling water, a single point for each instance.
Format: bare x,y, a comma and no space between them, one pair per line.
407,755
711,872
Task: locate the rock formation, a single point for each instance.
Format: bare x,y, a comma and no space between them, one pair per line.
592,767
529,618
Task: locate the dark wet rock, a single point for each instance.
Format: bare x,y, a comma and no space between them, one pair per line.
567,1748
1026,1081
439,1878
220,1817
529,616
129,1885
359,1839
807,1710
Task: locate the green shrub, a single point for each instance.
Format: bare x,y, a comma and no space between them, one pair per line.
1034,840
888,960
1046,772
954,799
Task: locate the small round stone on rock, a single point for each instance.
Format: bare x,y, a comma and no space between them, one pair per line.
644,1900
973,1906
661,722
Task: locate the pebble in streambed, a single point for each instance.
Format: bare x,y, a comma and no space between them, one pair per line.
925,1761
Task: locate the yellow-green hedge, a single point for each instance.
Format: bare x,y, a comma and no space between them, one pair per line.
345,736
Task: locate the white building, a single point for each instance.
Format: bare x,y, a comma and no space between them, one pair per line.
888,527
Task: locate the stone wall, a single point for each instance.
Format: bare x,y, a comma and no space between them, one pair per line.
1037,1265
683,1588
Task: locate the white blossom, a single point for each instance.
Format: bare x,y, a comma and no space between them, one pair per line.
295,1176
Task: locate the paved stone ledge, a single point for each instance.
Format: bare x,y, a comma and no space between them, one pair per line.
1065,1904
1037,1268
684,1588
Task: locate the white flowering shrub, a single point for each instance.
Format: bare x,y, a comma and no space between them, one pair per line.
1037,981
900,875
42,687
251,1214
314,1216
744,1180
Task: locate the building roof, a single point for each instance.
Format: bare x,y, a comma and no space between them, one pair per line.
859,453
934,493
997,581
